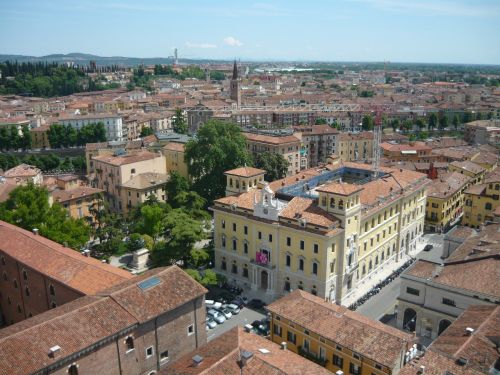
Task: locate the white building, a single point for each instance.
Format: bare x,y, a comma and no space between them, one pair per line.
112,123
433,295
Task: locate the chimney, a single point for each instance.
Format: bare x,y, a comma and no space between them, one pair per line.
35,231
197,359
422,369
283,345
469,331
55,351
339,372
245,357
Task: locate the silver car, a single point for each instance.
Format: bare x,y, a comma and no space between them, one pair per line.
217,316
233,308
210,323
225,312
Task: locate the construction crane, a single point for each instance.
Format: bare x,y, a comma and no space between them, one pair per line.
377,139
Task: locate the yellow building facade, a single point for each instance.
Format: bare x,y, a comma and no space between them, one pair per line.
445,201
174,157
337,338
313,232
78,201
354,146
481,201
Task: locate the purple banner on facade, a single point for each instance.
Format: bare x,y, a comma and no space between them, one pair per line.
261,257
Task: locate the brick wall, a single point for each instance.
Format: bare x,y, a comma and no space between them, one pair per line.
15,303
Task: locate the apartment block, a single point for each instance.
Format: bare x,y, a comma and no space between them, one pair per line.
482,200
433,294
322,230
445,201
355,146
339,339
121,174
112,123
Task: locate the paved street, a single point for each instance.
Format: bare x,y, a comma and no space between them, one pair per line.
246,316
384,302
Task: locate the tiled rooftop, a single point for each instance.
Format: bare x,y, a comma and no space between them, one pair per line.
222,357
370,338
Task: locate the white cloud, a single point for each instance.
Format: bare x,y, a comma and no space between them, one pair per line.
200,45
233,42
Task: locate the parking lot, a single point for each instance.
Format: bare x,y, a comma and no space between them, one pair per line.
246,316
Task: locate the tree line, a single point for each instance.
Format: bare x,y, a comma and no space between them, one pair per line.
67,136
44,79
45,163
11,138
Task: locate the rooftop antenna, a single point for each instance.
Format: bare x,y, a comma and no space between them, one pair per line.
377,139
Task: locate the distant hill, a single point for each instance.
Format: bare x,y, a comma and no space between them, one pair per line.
84,59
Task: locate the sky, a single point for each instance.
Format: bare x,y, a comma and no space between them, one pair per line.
432,31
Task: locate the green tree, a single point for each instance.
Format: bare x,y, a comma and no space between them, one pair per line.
407,125
15,138
182,233
320,121
395,124
179,123
367,122
218,147
433,120
25,141
274,164
28,207
467,117
192,203
175,185
135,242
443,122
145,131
456,121
152,220
4,139
420,124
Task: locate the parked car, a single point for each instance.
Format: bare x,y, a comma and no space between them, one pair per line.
256,304
238,302
217,316
261,327
210,323
225,312
233,308
428,247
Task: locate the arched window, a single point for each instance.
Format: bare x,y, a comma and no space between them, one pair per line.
73,370
15,283
129,342
4,275
370,266
25,275
27,290
237,184
3,261
364,269
52,290
341,204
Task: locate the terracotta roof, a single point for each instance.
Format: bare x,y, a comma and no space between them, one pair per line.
22,170
309,211
126,159
468,166
478,350
280,140
174,146
75,193
5,189
370,338
83,274
447,184
341,188
84,322
416,146
222,357
245,171
146,180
